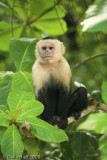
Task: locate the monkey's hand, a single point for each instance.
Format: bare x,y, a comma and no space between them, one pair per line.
56,120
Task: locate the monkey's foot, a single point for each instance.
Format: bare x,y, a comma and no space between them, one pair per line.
76,115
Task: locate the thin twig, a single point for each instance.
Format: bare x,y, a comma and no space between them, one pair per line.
87,59
58,17
46,11
27,10
12,18
21,7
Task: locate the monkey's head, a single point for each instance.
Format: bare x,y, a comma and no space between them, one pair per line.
49,50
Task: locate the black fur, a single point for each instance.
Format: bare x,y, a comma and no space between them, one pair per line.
59,104
47,38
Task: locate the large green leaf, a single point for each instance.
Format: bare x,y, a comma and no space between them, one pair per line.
104,91
33,107
96,17
96,122
6,33
103,147
23,81
11,143
22,52
2,131
45,131
17,98
5,87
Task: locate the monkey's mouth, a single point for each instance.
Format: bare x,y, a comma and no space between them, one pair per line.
48,57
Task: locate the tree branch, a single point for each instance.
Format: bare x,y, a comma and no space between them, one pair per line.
87,59
48,10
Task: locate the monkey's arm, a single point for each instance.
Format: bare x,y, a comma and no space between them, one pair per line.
72,104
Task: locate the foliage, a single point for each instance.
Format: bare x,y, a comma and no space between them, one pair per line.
31,18
95,122
104,91
96,17
103,147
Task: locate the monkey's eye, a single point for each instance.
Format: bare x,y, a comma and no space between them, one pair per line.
51,48
44,48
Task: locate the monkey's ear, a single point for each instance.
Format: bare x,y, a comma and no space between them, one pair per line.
62,48
37,45
37,49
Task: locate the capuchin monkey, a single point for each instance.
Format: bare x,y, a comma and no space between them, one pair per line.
52,81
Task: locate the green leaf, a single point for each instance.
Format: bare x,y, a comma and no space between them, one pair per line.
46,26
96,122
19,10
3,108
3,5
11,143
45,131
2,131
17,98
96,17
41,6
13,114
103,147
53,15
81,146
6,33
23,81
22,52
5,87
5,73
5,8
4,120
104,91
33,107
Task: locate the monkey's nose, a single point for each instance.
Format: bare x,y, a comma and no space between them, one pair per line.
47,52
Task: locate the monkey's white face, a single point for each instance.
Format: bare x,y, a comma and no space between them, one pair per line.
47,51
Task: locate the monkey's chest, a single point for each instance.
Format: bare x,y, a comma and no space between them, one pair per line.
53,75
53,83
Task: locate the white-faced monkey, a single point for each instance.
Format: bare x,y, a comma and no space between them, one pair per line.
52,81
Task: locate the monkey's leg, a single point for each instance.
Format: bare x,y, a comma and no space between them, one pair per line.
62,108
78,102
48,98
